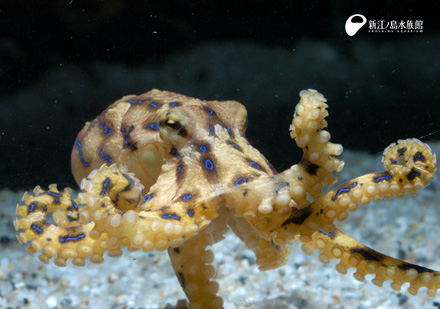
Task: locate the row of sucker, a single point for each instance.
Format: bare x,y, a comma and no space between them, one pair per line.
405,175
104,225
146,230
67,238
319,160
192,263
366,261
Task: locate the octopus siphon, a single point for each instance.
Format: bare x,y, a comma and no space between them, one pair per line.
163,171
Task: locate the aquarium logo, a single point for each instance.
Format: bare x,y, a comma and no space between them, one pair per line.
352,27
382,26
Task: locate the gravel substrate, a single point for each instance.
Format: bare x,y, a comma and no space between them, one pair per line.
406,228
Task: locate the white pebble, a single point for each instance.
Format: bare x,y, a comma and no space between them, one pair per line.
51,302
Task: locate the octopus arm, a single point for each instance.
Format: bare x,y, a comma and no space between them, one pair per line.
192,263
269,253
353,254
318,162
409,166
68,238
112,219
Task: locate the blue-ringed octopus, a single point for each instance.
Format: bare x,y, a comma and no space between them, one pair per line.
163,171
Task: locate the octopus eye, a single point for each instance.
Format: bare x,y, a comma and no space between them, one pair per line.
176,125
173,124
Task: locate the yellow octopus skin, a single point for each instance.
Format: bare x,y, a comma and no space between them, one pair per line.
163,171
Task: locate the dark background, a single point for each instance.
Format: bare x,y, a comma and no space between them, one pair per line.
63,62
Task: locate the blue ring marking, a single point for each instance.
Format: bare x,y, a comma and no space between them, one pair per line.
211,128
36,228
281,186
203,148
107,131
69,238
420,269
380,178
393,161
147,197
104,186
300,178
235,145
153,104
182,280
74,204
174,104
420,156
187,197
190,212
240,181
170,216
412,175
254,164
127,137
326,233
227,129
400,151
154,126
32,207
51,193
107,157
179,168
208,164
80,154
210,111
128,177
342,190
